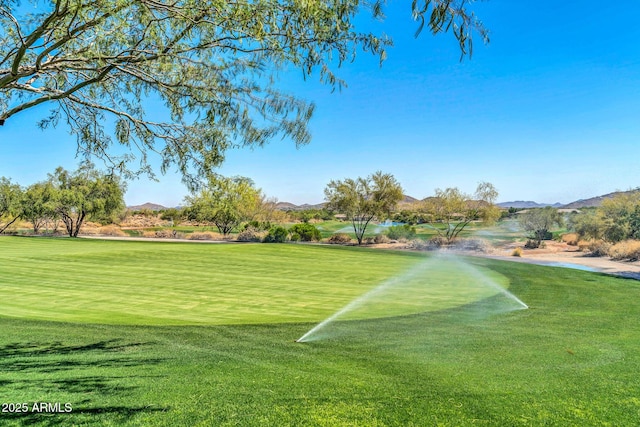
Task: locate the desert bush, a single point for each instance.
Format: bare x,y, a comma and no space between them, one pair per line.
425,245
477,245
599,248
204,235
164,234
276,235
532,244
257,225
438,241
111,230
517,252
583,245
306,232
250,234
171,214
570,239
381,238
339,239
625,250
397,232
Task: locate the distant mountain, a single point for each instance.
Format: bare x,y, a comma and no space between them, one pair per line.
408,199
521,204
147,206
596,201
286,206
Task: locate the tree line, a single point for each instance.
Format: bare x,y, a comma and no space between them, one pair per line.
232,202
65,197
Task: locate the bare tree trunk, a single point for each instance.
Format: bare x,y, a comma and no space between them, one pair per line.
3,228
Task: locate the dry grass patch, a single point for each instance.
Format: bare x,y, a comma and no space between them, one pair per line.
339,239
205,235
164,234
111,230
570,239
628,249
596,248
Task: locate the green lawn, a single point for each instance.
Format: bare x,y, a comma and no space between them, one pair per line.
571,359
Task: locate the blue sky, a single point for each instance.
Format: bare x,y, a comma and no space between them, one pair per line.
548,111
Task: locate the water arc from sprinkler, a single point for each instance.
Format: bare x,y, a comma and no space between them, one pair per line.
479,278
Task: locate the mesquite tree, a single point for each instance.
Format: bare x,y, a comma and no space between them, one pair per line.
226,202
212,65
85,193
10,198
452,211
363,199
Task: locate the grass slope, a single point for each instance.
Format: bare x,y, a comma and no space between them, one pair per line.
158,283
571,359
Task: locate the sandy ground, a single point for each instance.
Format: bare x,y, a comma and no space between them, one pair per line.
563,255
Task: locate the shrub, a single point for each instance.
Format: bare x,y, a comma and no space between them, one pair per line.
438,242
111,230
570,239
599,248
628,249
295,237
250,234
532,244
477,245
517,252
425,245
276,235
583,245
381,238
205,235
404,231
164,234
257,225
306,232
339,239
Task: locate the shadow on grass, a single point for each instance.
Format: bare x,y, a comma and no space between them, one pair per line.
57,348
96,379
84,416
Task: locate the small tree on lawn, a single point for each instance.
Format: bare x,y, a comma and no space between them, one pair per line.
38,205
363,199
86,193
10,197
538,222
226,202
453,210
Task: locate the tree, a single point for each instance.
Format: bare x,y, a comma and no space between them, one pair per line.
226,202
38,205
213,64
616,219
86,193
452,210
363,199
539,223
588,224
10,196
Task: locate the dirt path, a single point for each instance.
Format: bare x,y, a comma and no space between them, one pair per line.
563,255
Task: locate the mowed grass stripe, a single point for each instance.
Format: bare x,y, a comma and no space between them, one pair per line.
180,283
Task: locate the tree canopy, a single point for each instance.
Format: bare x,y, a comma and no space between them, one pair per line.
226,202
452,210
10,199
539,222
85,193
363,199
213,65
